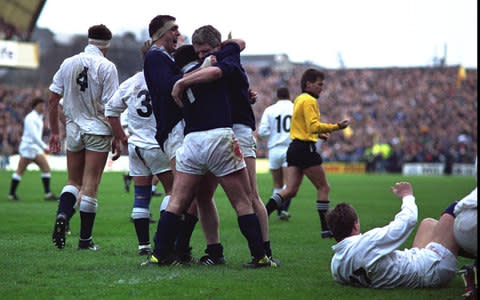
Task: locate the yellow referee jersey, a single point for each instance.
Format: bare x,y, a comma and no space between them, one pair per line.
306,123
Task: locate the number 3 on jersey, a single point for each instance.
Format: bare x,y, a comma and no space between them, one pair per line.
145,109
82,79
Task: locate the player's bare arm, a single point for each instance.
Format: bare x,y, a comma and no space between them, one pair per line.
120,139
54,140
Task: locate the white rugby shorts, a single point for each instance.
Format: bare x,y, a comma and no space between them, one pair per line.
244,135
277,157
437,265
215,150
174,140
145,162
77,140
29,150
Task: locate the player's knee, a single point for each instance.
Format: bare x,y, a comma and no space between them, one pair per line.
290,192
143,195
428,223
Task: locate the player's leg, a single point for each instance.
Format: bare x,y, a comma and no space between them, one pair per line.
187,225
257,203
277,178
166,178
209,219
295,177
23,163
96,154
278,169
68,196
317,176
141,212
155,193
424,233
285,215
184,186
42,163
235,186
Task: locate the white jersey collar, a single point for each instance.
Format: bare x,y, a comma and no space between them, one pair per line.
91,49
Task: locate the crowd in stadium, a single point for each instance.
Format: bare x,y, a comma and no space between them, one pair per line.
9,31
424,114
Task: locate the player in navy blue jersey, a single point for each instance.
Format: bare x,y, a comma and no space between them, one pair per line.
207,43
209,146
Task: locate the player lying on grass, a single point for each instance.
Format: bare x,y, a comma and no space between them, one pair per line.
372,260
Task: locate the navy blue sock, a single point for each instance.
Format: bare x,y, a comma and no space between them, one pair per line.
250,228
86,224
268,250
167,230
182,244
67,202
142,229
214,250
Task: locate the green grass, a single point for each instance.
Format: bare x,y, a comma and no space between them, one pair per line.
32,268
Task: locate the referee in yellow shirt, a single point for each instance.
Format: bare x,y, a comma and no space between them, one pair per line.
302,156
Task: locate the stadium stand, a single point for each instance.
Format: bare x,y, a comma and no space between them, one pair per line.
398,115
419,113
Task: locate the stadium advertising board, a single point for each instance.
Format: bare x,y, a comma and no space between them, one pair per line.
19,54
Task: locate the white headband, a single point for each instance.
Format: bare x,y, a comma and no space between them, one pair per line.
102,44
161,31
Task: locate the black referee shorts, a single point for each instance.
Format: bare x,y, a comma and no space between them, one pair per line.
303,154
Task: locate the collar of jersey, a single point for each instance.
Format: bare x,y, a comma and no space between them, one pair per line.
91,49
162,49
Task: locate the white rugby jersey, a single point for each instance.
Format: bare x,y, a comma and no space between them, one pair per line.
467,202
33,129
372,259
275,123
86,81
133,95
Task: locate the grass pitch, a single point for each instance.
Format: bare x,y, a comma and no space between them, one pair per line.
33,268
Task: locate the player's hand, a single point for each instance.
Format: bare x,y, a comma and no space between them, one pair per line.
252,96
117,147
402,189
54,143
177,93
343,124
324,136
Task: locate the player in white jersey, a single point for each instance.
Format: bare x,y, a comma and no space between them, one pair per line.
372,260
146,158
86,81
127,179
275,126
32,149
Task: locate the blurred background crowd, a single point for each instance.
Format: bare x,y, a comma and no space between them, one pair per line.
10,32
398,115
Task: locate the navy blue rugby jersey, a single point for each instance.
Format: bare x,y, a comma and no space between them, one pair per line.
238,85
161,73
211,106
